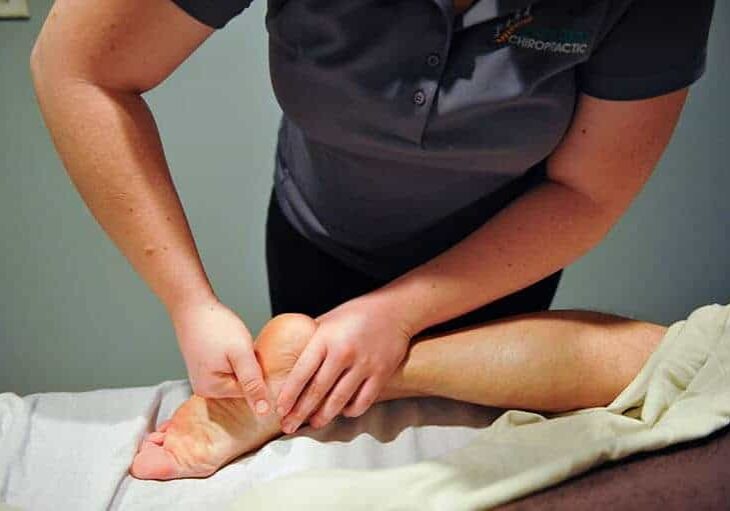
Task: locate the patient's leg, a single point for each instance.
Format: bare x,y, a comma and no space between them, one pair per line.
552,361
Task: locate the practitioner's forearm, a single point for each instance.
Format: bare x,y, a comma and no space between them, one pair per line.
551,361
111,149
89,77
593,175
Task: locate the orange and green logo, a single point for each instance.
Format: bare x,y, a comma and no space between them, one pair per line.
506,31
520,31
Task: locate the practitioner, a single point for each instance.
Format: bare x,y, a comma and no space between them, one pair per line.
438,164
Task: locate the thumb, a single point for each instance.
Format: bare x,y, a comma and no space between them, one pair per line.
250,378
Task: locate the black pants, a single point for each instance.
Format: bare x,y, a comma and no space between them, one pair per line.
304,279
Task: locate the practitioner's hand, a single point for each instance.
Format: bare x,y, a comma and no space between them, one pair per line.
357,345
218,352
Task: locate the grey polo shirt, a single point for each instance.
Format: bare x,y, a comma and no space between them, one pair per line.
406,126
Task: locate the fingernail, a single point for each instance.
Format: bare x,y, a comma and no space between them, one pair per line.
262,407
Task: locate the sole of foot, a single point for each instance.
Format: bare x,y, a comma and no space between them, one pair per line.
205,434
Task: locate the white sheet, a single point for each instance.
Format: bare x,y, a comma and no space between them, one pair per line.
72,450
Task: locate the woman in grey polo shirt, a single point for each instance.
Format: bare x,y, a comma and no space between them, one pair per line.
438,163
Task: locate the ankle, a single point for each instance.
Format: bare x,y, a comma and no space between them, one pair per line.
398,388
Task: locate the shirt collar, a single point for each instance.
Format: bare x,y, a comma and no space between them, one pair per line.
484,10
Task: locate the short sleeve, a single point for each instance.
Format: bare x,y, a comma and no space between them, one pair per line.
654,47
214,13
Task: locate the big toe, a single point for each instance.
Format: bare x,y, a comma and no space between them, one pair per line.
156,438
154,462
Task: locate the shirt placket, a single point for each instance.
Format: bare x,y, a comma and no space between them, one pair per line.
434,62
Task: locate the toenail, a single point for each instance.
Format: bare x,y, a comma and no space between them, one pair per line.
156,437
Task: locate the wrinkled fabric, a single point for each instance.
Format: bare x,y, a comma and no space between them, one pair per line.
62,451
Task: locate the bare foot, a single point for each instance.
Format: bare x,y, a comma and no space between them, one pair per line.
205,434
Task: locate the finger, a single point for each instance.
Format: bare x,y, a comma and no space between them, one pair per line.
314,393
364,398
341,394
305,366
162,428
250,378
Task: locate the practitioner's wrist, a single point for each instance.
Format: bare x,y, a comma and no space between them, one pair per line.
405,302
193,300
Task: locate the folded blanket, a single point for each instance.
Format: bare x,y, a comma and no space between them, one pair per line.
681,393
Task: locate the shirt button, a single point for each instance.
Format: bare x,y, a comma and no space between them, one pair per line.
419,97
433,59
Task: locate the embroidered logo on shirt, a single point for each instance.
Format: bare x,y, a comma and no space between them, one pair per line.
520,32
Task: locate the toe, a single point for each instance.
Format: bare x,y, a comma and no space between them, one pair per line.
156,438
154,462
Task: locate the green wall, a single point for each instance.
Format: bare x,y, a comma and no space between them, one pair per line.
75,316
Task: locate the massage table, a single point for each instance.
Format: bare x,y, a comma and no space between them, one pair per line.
77,448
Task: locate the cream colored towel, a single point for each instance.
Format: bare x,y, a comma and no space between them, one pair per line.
681,393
